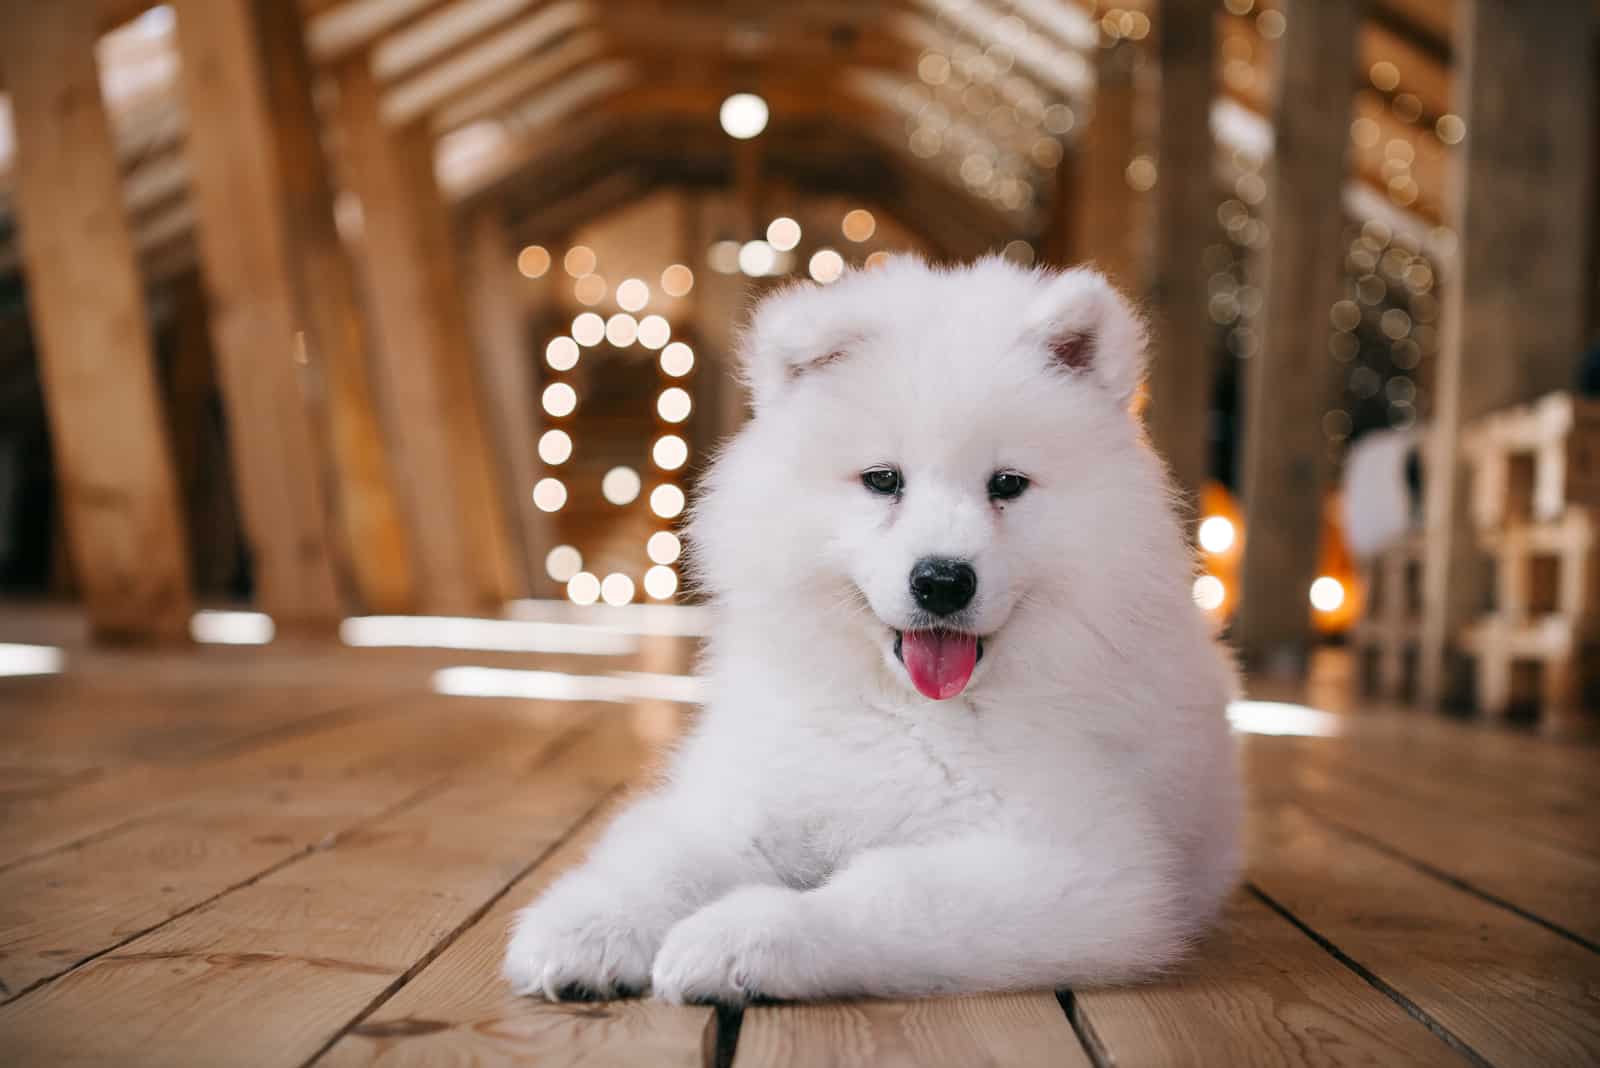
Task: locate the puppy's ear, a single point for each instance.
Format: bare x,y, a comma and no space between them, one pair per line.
794,332
1087,328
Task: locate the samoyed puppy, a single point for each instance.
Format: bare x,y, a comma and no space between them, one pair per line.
965,727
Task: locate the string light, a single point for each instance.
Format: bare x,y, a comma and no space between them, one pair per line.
674,404
620,485
580,260
677,280
583,588
783,233
664,547
660,582
560,399
550,495
588,329
622,330
826,266
757,258
555,447
677,359
633,294
743,116
858,225
667,501
561,354
533,261
590,289
617,589
562,563
670,452
723,256
654,330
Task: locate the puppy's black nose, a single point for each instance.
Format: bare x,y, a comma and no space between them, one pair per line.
943,586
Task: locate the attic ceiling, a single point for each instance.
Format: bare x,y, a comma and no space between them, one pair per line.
969,104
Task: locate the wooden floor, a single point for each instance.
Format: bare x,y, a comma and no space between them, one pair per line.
301,854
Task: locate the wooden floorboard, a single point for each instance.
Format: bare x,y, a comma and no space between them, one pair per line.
1260,991
991,1030
1502,986
299,855
276,968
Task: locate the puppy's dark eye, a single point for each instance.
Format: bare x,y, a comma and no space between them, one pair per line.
884,480
1006,485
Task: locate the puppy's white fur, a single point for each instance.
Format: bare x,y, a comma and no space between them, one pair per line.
1070,818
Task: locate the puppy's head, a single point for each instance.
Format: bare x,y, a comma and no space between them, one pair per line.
941,462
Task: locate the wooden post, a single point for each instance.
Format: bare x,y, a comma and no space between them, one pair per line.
510,378
258,331
1289,384
118,489
373,536
1513,325
426,354
1181,371
1106,208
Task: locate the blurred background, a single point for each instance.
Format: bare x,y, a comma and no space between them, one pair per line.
319,311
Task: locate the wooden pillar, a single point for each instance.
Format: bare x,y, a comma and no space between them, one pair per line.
1516,295
509,376
256,323
376,550
112,456
1289,384
1181,371
1107,206
426,353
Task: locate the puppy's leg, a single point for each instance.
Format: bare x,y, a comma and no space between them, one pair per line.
595,932
965,915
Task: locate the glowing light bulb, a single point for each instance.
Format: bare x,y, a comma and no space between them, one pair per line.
677,359
550,495
660,582
583,588
858,225
654,331
560,399
588,329
622,330
826,266
670,452
561,354
743,116
633,294
1327,594
783,233
663,547
533,261
617,589
1209,593
674,404
555,447
1216,534
620,485
667,501
563,562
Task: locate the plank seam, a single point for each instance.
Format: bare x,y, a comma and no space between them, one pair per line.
328,842
87,840
726,1023
1443,876
1093,1046
1372,979
560,745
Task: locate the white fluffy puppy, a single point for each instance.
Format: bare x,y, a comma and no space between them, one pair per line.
965,726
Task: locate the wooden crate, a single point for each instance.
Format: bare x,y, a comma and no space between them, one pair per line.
1388,637
1530,464
1540,647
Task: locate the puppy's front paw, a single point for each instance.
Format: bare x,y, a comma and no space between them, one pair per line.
565,951
750,944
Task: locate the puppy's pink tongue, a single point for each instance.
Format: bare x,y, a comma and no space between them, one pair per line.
939,661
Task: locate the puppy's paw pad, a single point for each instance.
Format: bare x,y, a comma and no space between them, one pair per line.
568,955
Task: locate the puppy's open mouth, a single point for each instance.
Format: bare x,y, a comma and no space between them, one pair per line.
940,662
